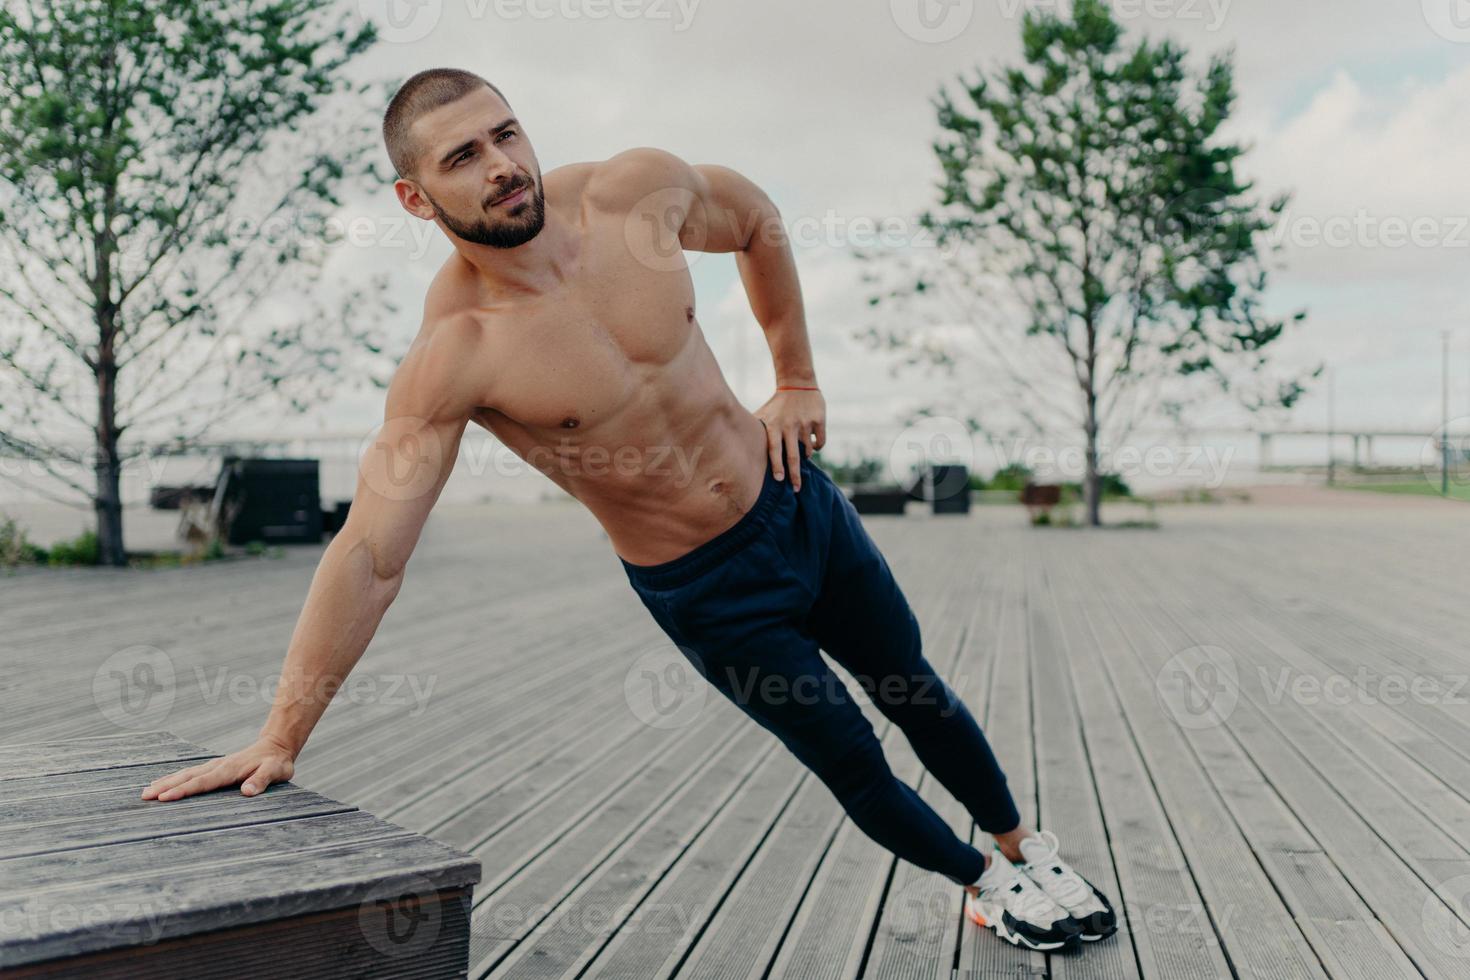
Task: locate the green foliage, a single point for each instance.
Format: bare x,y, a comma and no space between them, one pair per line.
1113,486
255,548
864,469
1012,476
15,548
1090,203
167,171
81,550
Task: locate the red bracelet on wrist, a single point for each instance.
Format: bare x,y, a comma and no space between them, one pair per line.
795,388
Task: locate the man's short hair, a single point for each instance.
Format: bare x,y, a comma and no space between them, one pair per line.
424,92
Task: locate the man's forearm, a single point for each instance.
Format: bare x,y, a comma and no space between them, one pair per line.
343,608
768,271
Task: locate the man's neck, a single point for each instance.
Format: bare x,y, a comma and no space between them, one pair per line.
539,266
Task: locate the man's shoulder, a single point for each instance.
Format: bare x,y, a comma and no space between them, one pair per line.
620,182
447,363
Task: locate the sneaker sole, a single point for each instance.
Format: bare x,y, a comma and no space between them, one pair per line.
1016,939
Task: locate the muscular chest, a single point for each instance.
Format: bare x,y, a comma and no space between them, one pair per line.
576,358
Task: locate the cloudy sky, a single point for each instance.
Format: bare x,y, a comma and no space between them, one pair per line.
1361,108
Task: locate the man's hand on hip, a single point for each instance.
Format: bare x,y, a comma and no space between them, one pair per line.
796,426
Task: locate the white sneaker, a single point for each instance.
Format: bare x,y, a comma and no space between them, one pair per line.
1080,897
1019,911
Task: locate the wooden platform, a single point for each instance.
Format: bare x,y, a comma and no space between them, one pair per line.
518,704
96,882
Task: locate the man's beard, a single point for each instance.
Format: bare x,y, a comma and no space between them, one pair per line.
508,232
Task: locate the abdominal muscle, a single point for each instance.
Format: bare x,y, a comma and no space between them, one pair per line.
657,509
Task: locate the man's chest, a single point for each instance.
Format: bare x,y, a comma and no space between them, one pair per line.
575,357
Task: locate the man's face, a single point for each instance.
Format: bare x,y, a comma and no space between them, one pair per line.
478,173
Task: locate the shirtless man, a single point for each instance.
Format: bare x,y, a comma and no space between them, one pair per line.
564,324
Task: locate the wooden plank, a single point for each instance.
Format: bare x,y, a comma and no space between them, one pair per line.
1069,803
1160,909
1258,933
18,760
54,904
121,816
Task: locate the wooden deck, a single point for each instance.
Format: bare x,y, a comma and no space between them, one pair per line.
1318,825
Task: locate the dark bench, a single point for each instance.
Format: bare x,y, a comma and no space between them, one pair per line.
97,882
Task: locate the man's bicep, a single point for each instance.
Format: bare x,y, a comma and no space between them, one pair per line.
400,477
706,207
727,211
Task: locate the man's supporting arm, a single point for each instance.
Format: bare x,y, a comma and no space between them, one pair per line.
361,571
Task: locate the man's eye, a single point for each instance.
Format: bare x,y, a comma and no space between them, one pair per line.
464,156
508,132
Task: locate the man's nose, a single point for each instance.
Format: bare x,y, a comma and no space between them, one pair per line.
501,168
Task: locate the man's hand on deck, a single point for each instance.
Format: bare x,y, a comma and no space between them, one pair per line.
796,426
256,767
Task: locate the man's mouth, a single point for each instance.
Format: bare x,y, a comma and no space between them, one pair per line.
514,197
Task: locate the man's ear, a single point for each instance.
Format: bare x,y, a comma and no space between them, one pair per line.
412,198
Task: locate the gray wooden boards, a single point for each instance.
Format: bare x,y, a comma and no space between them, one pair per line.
96,881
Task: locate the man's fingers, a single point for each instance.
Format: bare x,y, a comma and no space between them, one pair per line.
173,779
819,430
199,784
256,783
793,455
773,447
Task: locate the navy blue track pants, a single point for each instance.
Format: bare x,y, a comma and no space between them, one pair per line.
752,607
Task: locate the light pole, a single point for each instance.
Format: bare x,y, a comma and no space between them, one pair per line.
1444,419
1331,426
